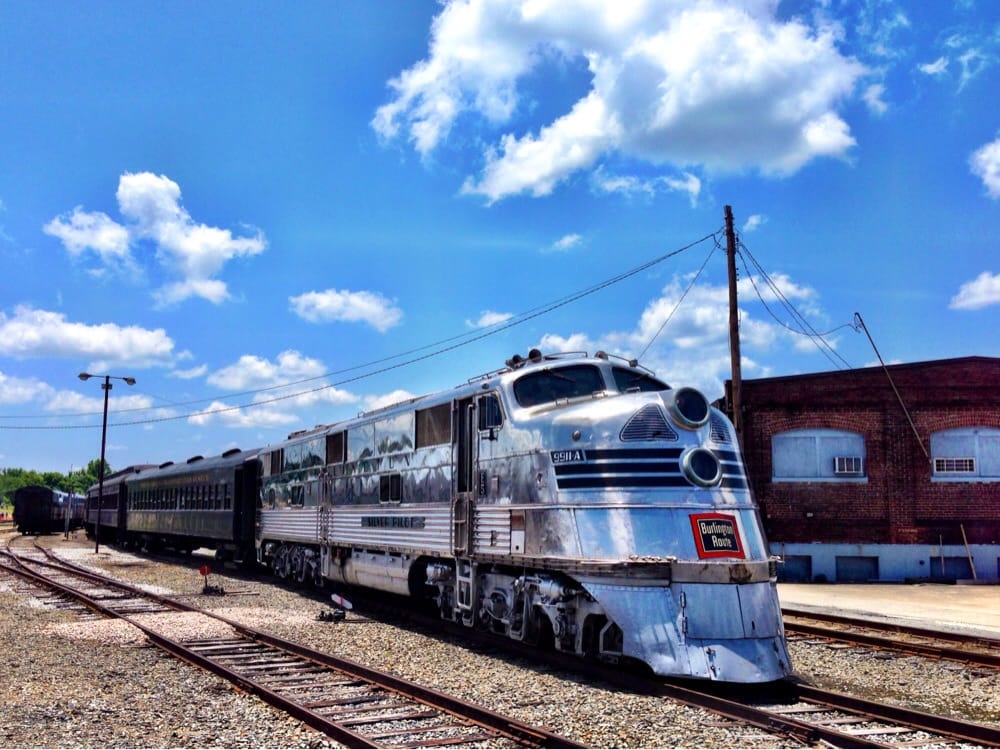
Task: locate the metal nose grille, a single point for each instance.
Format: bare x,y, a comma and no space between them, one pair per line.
648,424
720,433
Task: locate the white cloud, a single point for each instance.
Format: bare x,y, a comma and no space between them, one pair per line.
971,49
873,98
250,371
191,373
566,242
76,402
227,415
14,390
973,62
398,396
631,185
982,291
627,184
879,26
366,307
18,391
489,318
937,68
80,231
692,82
985,164
40,333
753,223
277,403
693,347
193,253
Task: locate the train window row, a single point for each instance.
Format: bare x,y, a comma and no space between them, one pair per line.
191,497
388,436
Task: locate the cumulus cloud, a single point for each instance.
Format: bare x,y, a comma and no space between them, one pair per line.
982,291
21,391
753,223
80,231
252,417
14,390
251,372
688,344
281,391
193,254
688,83
30,332
985,164
355,307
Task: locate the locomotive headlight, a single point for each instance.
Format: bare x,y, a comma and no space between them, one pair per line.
701,467
688,407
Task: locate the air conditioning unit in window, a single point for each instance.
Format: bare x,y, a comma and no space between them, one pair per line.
852,466
954,465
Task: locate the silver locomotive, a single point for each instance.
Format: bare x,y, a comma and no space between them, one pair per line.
570,501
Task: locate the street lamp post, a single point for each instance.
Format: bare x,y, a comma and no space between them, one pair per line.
106,387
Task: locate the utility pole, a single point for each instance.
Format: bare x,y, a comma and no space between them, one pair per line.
734,328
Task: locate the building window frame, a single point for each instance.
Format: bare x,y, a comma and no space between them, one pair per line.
965,454
818,454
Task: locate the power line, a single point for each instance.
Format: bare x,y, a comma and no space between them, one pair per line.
683,295
817,338
469,339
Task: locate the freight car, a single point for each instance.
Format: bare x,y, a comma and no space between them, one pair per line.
568,501
43,510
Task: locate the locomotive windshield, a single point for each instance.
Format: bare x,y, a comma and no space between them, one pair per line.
630,381
552,384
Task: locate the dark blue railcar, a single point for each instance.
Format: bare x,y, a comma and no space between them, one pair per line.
43,510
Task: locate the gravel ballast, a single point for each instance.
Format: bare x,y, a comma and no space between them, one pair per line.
71,682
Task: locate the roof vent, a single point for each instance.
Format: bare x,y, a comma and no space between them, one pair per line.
194,458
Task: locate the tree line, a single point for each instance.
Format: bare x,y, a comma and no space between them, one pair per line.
76,481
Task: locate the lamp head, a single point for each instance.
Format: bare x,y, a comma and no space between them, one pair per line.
130,381
84,376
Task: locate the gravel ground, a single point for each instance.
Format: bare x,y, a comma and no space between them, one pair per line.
72,683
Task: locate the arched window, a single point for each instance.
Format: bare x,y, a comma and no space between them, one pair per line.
818,454
966,454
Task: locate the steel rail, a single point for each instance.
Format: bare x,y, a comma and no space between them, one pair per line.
984,658
496,724
931,723
985,641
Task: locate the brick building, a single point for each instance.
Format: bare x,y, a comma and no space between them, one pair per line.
850,490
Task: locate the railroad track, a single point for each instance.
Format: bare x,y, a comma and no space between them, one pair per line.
809,715
976,651
353,704
789,708
814,715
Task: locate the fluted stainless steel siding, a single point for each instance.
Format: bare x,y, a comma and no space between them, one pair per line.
346,527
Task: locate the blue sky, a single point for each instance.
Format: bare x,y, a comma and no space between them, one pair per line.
274,216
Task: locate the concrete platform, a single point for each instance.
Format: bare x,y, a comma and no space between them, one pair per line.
972,609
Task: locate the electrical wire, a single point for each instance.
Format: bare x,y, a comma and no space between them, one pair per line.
817,338
718,246
470,338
